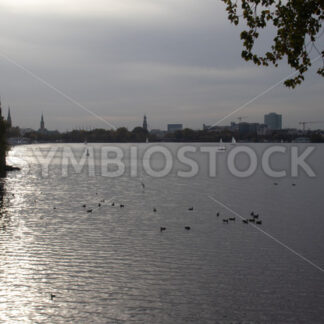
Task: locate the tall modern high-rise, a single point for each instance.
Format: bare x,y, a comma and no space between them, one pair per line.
0,109
145,123
9,122
273,121
42,124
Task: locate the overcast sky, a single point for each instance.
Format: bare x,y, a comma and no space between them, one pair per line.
178,61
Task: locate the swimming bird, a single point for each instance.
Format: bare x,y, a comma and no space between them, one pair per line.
99,205
256,216
122,206
84,206
89,211
191,208
245,221
52,296
225,220
232,219
187,228
154,210
162,229
54,207
259,222
217,214
252,213
252,220
113,204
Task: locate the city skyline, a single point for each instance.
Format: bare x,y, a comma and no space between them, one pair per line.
172,60
301,125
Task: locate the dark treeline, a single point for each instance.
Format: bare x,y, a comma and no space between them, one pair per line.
122,134
138,135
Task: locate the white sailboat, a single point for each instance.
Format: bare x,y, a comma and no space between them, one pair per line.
221,147
233,141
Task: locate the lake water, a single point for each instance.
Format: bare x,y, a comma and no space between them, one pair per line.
115,266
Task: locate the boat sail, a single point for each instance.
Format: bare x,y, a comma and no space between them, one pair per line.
221,147
233,141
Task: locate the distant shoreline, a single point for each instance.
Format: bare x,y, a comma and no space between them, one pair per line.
165,142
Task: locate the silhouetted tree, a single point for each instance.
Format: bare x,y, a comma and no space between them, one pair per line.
122,134
297,26
139,134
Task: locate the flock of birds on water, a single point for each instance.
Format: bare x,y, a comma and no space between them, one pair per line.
254,217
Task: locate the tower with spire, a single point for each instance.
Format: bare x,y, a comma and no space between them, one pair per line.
9,122
42,124
145,123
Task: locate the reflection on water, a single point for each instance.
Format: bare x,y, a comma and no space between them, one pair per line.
113,265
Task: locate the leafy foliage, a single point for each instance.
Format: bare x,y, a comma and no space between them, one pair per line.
297,24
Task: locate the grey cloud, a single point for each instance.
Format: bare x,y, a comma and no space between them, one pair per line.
180,59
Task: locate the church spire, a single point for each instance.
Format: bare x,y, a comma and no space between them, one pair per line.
9,122
42,123
145,123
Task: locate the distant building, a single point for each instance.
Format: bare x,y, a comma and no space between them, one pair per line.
18,140
273,121
293,131
24,131
145,123
262,130
174,127
234,127
211,128
9,122
247,128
